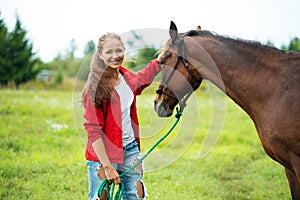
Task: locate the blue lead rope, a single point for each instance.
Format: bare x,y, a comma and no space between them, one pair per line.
110,187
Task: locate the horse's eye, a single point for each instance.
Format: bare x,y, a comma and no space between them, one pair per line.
168,54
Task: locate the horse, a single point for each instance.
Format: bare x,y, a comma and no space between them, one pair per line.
263,80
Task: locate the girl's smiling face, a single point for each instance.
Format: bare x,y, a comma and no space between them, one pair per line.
112,53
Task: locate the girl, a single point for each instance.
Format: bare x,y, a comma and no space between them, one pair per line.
111,120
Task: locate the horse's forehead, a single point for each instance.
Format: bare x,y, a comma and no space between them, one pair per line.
172,45
169,47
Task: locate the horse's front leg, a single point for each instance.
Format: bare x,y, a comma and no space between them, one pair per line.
294,184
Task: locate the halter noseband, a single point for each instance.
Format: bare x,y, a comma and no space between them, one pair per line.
180,58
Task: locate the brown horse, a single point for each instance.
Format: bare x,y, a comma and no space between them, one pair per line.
263,81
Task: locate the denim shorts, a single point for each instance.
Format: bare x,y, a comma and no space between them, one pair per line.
131,154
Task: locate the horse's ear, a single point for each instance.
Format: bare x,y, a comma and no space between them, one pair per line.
198,28
173,31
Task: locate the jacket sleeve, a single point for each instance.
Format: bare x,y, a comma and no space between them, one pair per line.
94,120
147,75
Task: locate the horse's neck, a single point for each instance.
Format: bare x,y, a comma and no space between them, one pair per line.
241,73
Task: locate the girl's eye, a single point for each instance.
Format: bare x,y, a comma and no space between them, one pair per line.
108,52
119,50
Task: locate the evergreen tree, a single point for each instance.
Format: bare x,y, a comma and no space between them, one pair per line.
21,56
4,64
16,58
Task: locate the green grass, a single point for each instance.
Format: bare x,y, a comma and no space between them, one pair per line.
214,153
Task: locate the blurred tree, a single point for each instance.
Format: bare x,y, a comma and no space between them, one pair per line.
17,60
59,77
141,58
293,46
83,69
72,49
145,55
135,41
66,64
89,48
270,43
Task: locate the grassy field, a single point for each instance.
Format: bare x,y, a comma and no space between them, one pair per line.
214,153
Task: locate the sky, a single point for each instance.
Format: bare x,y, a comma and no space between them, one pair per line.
52,24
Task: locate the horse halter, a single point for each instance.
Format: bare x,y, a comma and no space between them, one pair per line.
180,58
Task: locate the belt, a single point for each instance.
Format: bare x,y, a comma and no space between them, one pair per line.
130,146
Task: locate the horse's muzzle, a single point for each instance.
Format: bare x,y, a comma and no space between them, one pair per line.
162,110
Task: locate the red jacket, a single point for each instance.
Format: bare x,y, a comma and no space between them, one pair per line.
107,122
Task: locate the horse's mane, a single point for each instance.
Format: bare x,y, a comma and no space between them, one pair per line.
235,40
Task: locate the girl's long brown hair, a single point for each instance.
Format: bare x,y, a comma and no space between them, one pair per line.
101,79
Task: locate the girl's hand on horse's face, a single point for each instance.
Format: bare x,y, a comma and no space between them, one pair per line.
160,58
112,175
